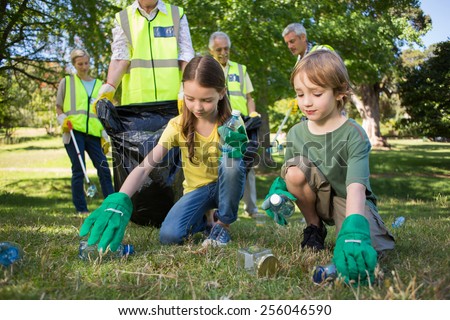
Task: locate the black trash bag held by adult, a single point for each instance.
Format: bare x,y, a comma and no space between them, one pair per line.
134,131
251,156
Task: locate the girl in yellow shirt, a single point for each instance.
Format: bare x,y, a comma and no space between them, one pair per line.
212,180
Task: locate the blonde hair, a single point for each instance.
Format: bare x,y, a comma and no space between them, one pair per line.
76,53
326,69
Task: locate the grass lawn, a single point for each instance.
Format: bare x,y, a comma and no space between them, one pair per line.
411,180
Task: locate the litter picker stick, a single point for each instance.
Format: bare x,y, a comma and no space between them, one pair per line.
69,124
286,117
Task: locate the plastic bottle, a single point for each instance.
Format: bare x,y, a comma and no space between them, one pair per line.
398,222
280,205
10,252
91,252
325,273
231,124
91,191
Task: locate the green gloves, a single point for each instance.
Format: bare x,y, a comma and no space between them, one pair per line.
354,256
237,140
108,222
278,187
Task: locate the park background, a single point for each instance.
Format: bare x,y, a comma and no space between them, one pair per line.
403,102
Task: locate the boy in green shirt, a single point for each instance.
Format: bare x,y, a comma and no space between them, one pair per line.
327,169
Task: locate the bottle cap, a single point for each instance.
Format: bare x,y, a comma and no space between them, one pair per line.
275,199
267,266
235,112
128,249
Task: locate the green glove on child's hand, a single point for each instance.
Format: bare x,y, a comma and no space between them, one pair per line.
354,256
238,140
107,224
278,187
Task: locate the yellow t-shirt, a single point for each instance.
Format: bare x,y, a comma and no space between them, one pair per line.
205,168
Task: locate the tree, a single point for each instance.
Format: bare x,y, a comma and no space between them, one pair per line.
36,36
367,34
425,93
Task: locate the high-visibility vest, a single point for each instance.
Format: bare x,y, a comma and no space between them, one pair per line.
321,47
236,87
153,74
78,106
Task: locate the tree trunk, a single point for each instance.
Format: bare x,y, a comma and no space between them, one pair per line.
369,109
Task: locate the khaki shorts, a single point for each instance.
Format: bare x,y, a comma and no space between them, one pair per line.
331,208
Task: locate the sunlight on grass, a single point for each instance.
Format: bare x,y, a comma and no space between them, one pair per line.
411,180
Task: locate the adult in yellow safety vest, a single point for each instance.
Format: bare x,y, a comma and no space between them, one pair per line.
151,46
239,89
294,36
75,96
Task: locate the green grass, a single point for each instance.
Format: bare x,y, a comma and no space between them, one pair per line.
36,211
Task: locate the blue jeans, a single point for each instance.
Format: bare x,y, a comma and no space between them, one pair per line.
187,216
92,146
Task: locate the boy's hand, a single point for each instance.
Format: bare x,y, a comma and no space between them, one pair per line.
278,187
354,256
107,224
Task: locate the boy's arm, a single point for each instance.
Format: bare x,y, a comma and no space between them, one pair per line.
354,256
356,199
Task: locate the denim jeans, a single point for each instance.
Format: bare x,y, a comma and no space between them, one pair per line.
187,216
92,146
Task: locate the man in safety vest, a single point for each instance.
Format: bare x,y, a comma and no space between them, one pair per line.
239,89
151,45
294,36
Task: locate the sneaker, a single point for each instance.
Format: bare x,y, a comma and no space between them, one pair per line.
218,237
314,237
251,214
83,213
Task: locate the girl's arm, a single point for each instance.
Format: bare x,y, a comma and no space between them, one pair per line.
137,177
356,199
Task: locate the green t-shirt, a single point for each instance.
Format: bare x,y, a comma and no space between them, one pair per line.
341,155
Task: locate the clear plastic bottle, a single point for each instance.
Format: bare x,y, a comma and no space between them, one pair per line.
398,222
231,124
10,253
280,205
86,252
325,273
91,191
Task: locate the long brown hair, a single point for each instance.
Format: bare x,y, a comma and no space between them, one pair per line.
208,73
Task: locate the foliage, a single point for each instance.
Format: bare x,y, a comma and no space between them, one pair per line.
37,36
37,213
368,34
425,94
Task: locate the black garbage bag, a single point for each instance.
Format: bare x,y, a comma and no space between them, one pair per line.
134,131
251,156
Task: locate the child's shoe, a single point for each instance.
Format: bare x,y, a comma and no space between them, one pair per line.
218,237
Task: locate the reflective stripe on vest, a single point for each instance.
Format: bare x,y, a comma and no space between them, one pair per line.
78,107
236,87
322,47
154,73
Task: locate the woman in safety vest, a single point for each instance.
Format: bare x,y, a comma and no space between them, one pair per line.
76,93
